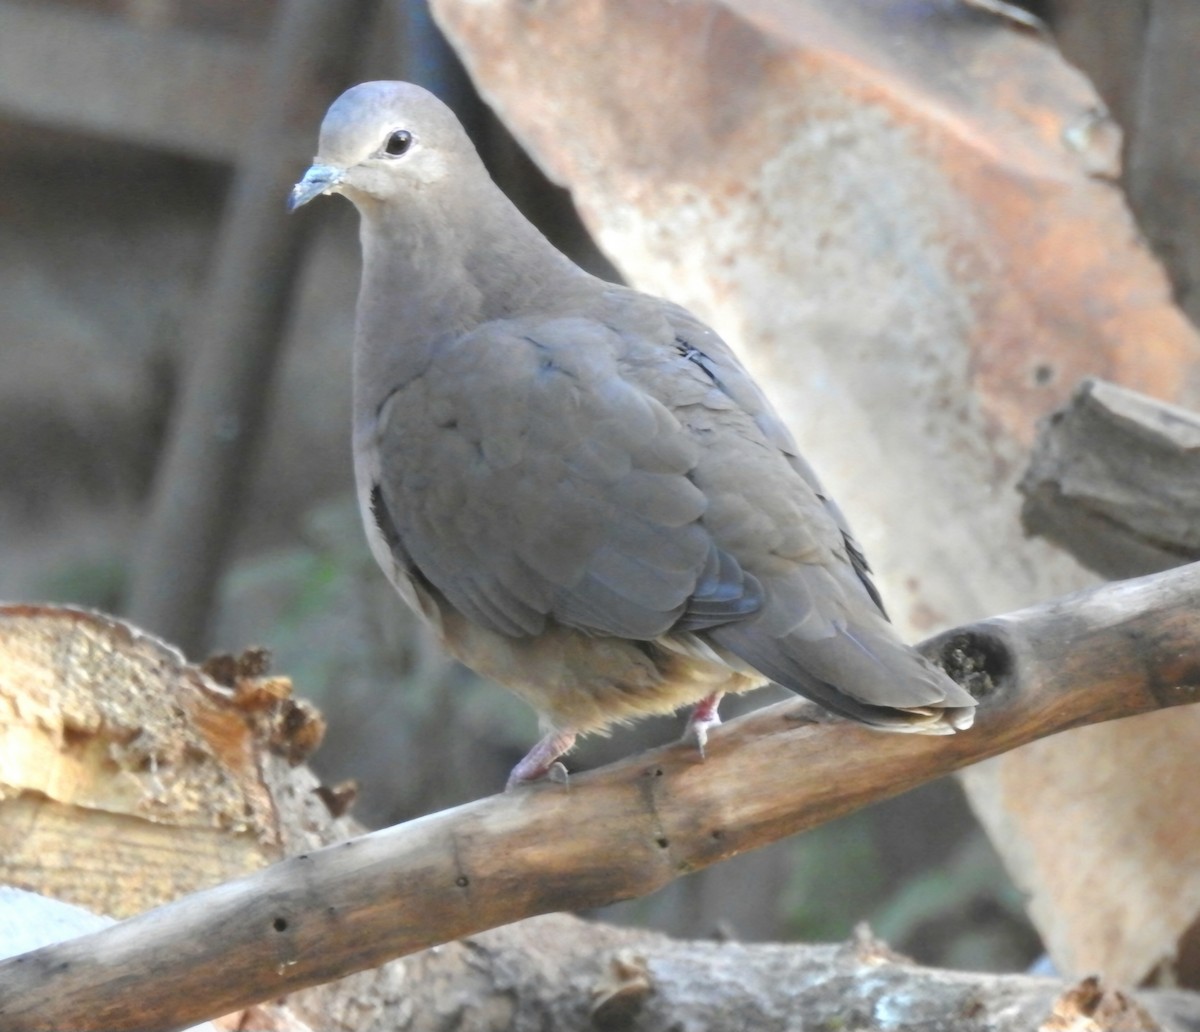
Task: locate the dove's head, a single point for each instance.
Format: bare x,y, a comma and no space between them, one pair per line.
382,140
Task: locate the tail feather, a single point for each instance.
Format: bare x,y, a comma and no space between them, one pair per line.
866,674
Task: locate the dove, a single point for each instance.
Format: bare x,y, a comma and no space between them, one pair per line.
578,485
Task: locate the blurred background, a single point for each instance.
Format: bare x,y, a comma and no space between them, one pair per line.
125,132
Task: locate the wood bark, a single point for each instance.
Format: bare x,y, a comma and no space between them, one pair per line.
109,739
613,833
1115,480
563,973
558,972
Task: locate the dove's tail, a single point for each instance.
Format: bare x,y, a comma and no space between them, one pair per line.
851,661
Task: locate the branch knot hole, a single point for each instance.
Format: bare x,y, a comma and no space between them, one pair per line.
982,663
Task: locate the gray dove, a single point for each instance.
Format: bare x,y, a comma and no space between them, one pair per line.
578,485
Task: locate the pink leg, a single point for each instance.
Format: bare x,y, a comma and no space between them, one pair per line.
542,758
703,717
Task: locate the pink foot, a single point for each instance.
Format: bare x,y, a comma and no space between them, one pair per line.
542,760
704,717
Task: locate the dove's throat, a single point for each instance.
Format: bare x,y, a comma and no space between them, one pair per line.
436,268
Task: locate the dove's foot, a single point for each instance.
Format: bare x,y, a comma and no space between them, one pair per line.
704,717
542,760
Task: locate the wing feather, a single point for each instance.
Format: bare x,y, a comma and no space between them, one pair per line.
624,476
528,478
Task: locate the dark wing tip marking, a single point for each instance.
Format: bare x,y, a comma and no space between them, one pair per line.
383,518
724,593
694,355
863,569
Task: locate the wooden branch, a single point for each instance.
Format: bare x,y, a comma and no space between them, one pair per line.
614,833
1115,480
563,973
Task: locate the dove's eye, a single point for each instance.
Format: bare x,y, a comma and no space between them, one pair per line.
398,142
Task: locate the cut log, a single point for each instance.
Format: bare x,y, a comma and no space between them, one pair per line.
1115,480
107,737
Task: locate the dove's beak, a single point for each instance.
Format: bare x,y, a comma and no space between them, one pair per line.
317,180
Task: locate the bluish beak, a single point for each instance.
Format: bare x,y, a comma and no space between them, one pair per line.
317,180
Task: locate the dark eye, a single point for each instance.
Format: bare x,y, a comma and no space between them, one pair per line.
398,143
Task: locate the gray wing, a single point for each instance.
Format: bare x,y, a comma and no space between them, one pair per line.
526,478
631,480
711,353
823,630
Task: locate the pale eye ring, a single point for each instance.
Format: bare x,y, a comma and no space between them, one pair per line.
398,143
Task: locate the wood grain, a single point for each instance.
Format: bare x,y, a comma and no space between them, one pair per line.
618,832
1115,480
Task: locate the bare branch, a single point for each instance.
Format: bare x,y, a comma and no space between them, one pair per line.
614,833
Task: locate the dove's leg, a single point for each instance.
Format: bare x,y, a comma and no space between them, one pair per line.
703,717
542,759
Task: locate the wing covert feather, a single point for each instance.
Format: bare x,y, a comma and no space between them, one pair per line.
530,481
622,479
